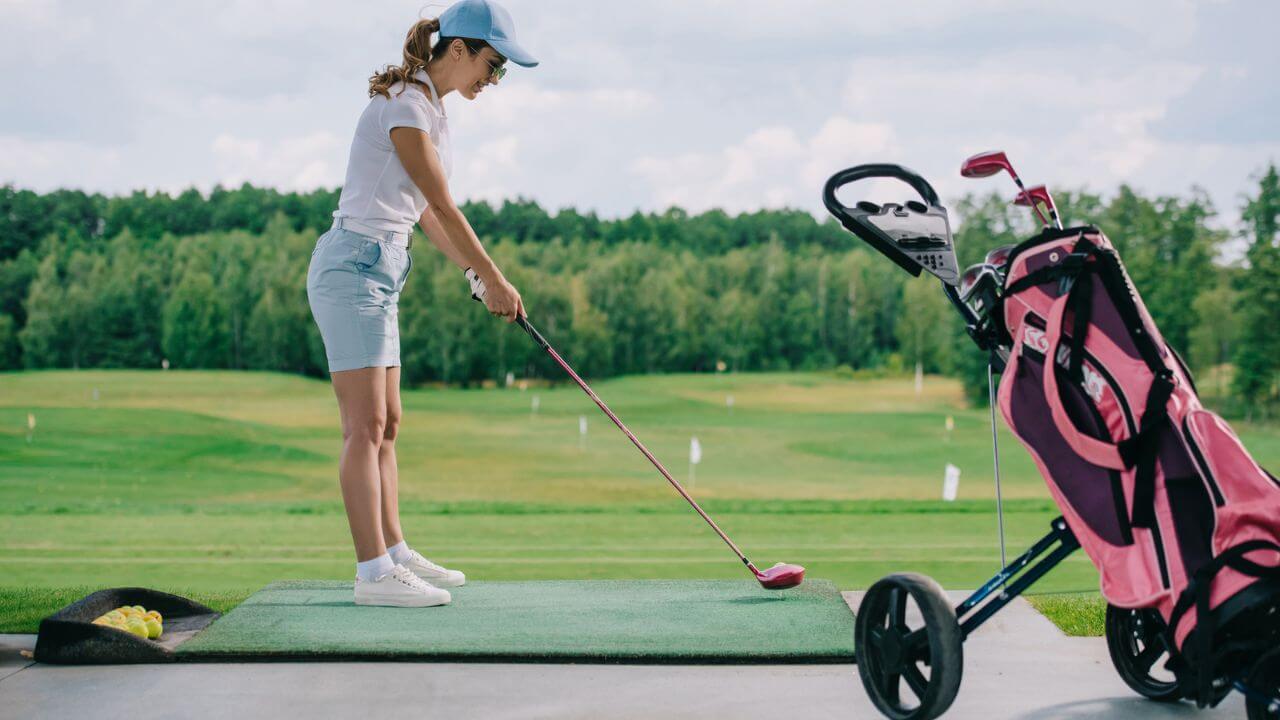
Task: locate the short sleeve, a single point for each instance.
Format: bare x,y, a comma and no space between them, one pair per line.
406,111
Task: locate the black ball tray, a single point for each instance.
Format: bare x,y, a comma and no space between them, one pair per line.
69,637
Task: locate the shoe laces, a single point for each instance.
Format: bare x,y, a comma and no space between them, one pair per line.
417,556
406,576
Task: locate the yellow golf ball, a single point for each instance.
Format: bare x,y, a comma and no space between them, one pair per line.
137,627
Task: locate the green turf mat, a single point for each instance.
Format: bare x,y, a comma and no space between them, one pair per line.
641,621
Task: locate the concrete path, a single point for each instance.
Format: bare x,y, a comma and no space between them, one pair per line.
1017,666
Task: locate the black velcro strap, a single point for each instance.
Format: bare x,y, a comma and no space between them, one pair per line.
1145,451
1070,266
1081,305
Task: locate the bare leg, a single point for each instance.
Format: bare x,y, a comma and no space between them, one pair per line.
362,404
391,532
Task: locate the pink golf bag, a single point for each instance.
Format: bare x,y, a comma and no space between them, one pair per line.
1182,524
1159,492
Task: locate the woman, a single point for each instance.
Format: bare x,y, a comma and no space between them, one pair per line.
397,173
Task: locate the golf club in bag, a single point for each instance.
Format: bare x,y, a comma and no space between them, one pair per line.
778,577
1181,523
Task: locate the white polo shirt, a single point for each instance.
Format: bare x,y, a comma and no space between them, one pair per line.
378,191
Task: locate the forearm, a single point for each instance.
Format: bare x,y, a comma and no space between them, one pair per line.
435,233
467,250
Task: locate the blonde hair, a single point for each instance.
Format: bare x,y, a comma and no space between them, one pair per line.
418,51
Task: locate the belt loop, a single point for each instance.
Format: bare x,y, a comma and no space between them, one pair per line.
391,236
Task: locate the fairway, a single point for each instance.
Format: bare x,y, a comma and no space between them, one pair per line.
217,483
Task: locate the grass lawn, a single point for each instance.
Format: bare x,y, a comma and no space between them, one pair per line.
212,484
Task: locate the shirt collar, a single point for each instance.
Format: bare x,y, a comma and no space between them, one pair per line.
422,76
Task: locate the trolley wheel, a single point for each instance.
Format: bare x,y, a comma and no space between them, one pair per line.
1136,640
1264,681
929,659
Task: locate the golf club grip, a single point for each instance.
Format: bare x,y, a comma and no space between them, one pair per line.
524,323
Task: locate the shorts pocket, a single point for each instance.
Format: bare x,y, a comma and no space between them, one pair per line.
408,265
368,255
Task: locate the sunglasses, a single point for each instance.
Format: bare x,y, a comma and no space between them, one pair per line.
496,72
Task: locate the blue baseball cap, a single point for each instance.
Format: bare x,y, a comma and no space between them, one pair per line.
485,20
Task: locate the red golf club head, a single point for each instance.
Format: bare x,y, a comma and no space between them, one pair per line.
986,164
781,576
1038,193
999,257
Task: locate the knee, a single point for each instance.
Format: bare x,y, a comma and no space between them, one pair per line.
392,426
368,431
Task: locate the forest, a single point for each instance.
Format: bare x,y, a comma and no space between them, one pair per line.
219,281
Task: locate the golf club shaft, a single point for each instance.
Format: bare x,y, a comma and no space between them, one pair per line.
995,454
1053,213
541,341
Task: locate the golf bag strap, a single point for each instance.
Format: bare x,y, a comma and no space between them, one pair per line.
1069,267
1144,447
1080,302
1197,593
1099,452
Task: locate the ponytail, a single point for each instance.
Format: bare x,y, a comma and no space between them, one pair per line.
417,51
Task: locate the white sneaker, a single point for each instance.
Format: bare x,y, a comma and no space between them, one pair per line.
439,576
400,588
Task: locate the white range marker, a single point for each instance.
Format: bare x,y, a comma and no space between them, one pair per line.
951,483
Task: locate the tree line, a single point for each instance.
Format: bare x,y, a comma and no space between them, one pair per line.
219,281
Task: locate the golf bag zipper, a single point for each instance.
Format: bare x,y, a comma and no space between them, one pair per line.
1194,448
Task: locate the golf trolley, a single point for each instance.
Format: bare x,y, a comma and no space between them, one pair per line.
1180,522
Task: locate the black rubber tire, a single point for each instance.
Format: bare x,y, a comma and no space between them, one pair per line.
889,653
1264,678
1136,640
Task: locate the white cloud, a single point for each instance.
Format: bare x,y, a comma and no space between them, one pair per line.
771,167
484,175
739,103
293,163
25,162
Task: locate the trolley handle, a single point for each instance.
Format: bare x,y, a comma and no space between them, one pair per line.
851,217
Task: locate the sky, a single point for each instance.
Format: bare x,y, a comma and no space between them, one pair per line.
735,104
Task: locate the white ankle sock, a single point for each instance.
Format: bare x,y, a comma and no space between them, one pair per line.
399,552
371,570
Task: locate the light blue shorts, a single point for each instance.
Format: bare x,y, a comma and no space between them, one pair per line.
353,287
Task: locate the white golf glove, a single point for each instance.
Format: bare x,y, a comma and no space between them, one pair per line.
477,285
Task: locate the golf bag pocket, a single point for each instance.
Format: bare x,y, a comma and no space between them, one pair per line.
1220,454
1079,414
1094,498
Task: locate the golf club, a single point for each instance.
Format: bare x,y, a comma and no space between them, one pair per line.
1040,194
778,577
986,164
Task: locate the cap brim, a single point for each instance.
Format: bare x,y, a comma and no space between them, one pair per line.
514,53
